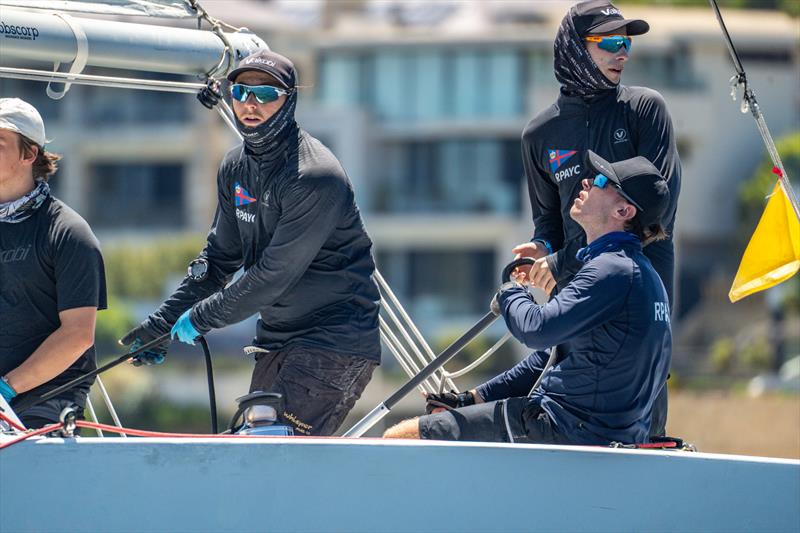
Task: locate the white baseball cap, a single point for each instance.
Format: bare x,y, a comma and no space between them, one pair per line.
21,117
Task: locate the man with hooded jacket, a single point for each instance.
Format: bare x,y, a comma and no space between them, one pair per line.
287,214
594,112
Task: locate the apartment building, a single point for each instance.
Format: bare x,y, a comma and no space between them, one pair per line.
424,104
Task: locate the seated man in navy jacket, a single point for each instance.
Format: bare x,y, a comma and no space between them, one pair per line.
611,320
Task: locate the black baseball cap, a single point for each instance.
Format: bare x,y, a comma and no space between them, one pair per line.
641,181
600,16
274,64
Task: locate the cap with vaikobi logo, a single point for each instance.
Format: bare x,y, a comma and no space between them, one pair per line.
274,64
597,17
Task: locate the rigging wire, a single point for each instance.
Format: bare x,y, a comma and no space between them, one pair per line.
103,81
749,102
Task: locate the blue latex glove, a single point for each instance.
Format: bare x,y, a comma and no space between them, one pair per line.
7,391
184,330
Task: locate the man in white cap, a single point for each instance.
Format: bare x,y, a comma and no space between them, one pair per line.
52,279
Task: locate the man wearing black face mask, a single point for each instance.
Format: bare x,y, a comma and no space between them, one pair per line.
594,112
286,214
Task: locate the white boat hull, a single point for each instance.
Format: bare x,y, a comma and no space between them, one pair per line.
308,484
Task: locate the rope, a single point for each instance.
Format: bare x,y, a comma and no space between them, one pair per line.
480,360
11,422
27,435
123,431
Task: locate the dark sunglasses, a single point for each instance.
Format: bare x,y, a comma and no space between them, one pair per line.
611,43
601,180
264,93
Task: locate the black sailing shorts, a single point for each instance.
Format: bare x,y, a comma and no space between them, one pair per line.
319,387
509,420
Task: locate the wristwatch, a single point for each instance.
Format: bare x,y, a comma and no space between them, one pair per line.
198,269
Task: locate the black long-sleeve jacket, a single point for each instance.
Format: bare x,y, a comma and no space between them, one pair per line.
292,222
616,124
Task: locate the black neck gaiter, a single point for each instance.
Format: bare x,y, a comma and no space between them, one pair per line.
574,67
273,138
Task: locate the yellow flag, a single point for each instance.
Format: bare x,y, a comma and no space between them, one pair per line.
773,254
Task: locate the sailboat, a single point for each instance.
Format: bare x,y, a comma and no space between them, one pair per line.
263,482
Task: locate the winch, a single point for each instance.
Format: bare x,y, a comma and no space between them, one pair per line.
259,413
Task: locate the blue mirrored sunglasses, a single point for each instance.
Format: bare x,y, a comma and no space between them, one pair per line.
264,94
611,43
601,180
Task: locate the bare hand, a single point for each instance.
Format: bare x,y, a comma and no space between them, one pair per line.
540,276
536,250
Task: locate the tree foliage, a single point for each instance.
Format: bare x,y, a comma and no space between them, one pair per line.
753,192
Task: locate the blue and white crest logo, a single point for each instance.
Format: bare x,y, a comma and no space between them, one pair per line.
620,135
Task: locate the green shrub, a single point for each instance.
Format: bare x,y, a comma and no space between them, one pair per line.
722,355
753,192
757,354
112,324
137,271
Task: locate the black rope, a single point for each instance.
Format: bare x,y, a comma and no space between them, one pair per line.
212,396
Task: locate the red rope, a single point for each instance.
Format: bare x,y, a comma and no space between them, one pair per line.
776,170
27,435
11,422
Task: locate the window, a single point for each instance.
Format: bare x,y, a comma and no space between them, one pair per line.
456,282
673,70
451,176
435,284
137,194
417,84
111,107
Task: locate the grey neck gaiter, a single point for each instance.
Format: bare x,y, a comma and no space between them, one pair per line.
22,208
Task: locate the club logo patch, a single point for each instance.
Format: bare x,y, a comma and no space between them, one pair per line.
241,196
620,136
559,157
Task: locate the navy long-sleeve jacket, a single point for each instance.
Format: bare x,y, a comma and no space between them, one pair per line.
612,325
291,221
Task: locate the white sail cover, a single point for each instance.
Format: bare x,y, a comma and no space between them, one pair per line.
145,8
